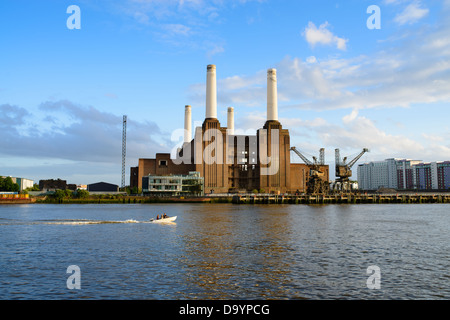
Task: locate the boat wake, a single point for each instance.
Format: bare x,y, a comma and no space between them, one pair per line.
87,222
72,222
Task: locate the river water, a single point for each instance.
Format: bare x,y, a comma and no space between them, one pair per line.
225,251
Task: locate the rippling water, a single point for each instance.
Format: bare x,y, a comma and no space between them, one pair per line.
224,251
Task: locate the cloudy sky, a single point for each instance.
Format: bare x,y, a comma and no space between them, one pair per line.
63,91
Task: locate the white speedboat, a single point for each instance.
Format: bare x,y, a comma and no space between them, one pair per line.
165,220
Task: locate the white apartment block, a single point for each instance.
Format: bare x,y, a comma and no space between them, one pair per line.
378,174
390,173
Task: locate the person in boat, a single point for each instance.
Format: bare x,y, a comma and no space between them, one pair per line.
157,217
164,216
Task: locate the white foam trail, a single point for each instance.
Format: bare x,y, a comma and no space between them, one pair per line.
88,222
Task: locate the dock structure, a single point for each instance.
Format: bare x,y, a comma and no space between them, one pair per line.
341,199
15,198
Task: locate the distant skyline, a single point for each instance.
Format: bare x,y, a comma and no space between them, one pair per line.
63,91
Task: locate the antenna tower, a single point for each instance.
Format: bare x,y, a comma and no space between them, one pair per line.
124,148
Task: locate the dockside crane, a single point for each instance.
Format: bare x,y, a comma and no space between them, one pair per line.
343,169
316,184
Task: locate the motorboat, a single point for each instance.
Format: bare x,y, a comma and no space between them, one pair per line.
164,220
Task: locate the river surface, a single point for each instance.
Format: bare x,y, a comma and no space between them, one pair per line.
225,251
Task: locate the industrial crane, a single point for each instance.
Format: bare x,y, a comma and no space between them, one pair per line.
316,184
343,169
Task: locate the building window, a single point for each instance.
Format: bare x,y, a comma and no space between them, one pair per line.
163,163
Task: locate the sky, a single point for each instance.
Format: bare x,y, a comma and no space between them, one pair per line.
341,84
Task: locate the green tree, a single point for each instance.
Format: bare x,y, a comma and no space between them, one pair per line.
62,194
7,185
35,187
82,194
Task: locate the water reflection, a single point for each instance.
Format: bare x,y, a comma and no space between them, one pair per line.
226,251
288,251
235,254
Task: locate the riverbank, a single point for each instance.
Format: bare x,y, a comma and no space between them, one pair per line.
17,201
244,199
342,199
112,199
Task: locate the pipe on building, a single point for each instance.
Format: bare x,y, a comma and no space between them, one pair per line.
187,124
211,92
230,121
272,96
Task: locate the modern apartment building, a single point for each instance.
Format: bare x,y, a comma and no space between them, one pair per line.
404,174
378,174
173,185
433,175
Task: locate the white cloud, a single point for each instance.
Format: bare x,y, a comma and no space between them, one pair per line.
73,132
311,59
215,50
390,77
323,36
234,91
177,29
351,117
356,132
353,133
412,13
414,71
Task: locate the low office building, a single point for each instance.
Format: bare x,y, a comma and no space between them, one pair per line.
173,185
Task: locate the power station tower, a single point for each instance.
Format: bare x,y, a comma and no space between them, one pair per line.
124,148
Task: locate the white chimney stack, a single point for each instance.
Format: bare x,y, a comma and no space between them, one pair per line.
272,96
187,124
211,92
230,121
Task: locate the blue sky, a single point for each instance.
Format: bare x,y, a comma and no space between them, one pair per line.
341,85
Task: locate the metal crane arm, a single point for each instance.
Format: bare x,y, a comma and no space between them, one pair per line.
351,163
302,156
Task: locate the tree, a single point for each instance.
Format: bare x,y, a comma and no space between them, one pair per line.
82,194
7,185
62,194
35,187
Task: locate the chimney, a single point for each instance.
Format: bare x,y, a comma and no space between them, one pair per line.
211,92
187,124
230,121
272,96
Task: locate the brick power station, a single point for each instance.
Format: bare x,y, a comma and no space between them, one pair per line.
229,162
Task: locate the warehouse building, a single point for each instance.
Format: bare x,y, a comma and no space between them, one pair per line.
103,187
